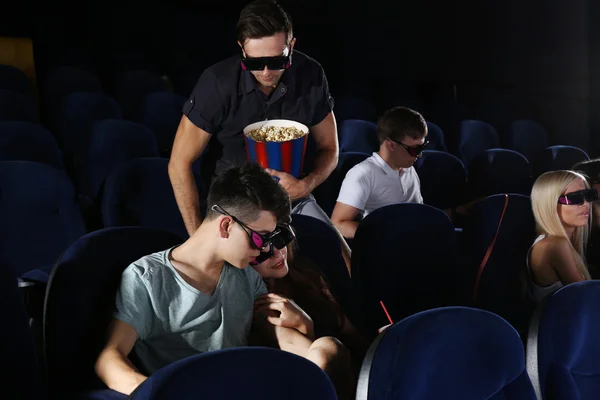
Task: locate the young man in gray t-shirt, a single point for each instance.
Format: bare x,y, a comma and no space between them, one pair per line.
200,295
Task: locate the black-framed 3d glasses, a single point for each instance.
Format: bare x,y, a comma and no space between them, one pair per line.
257,240
272,63
414,151
579,197
285,237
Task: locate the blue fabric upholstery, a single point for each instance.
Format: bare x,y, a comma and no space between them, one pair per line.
435,136
566,341
100,394
39,214
527,137
14,79
358,136
502,287
499,171
111,143
133,86
161,112
475,137
447,353
139,193
352,107
556,158
80,300
26,141
61,82
80,111
405,255
443,179
239,373
327,193
321,244
15,106
20,378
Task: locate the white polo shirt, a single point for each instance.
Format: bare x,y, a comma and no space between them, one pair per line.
373,184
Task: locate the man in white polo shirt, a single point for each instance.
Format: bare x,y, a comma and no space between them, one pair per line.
388,176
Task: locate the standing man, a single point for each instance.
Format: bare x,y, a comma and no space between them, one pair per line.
270,80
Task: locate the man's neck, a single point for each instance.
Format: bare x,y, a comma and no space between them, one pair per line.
198,254
385,156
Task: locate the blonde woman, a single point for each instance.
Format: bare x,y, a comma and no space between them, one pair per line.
561,207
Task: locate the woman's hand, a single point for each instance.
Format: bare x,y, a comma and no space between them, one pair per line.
290,314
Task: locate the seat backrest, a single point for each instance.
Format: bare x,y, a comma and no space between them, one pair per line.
139,193
358,136
211,373
406,256
327,192
61,82
321,244
475,137
133,86
499,171
435,136
15,106
111,143
446,353
352,107
39,213
556,158
26,141
79,113
507,233
527,137
80,300
12,78
443,179
563,347
161,112
21,378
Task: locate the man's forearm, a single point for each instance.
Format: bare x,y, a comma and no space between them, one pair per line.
347,228
186,195
325,163
117,372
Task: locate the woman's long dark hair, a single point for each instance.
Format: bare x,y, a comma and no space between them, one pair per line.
308,287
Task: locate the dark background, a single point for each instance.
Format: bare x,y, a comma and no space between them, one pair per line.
455,59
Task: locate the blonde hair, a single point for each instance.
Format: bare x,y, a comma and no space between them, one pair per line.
544,199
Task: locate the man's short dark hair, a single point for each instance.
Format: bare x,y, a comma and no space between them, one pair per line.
263,18
399,122
590,169
246,191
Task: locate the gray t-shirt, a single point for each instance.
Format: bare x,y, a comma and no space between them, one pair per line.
174,320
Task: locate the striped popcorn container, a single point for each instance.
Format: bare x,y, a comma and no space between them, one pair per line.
286,156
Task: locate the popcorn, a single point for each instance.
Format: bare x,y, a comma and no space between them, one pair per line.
275,134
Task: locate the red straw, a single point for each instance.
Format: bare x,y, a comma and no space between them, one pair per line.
386,312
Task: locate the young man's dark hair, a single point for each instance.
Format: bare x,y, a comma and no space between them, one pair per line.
262,18
399,122
245,191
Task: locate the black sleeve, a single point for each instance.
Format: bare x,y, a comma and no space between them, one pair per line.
206,105
324,101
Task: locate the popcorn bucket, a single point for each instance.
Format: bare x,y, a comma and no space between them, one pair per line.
286,156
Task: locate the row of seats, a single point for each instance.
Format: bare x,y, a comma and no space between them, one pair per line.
138,193
446,183
479,355
525,137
